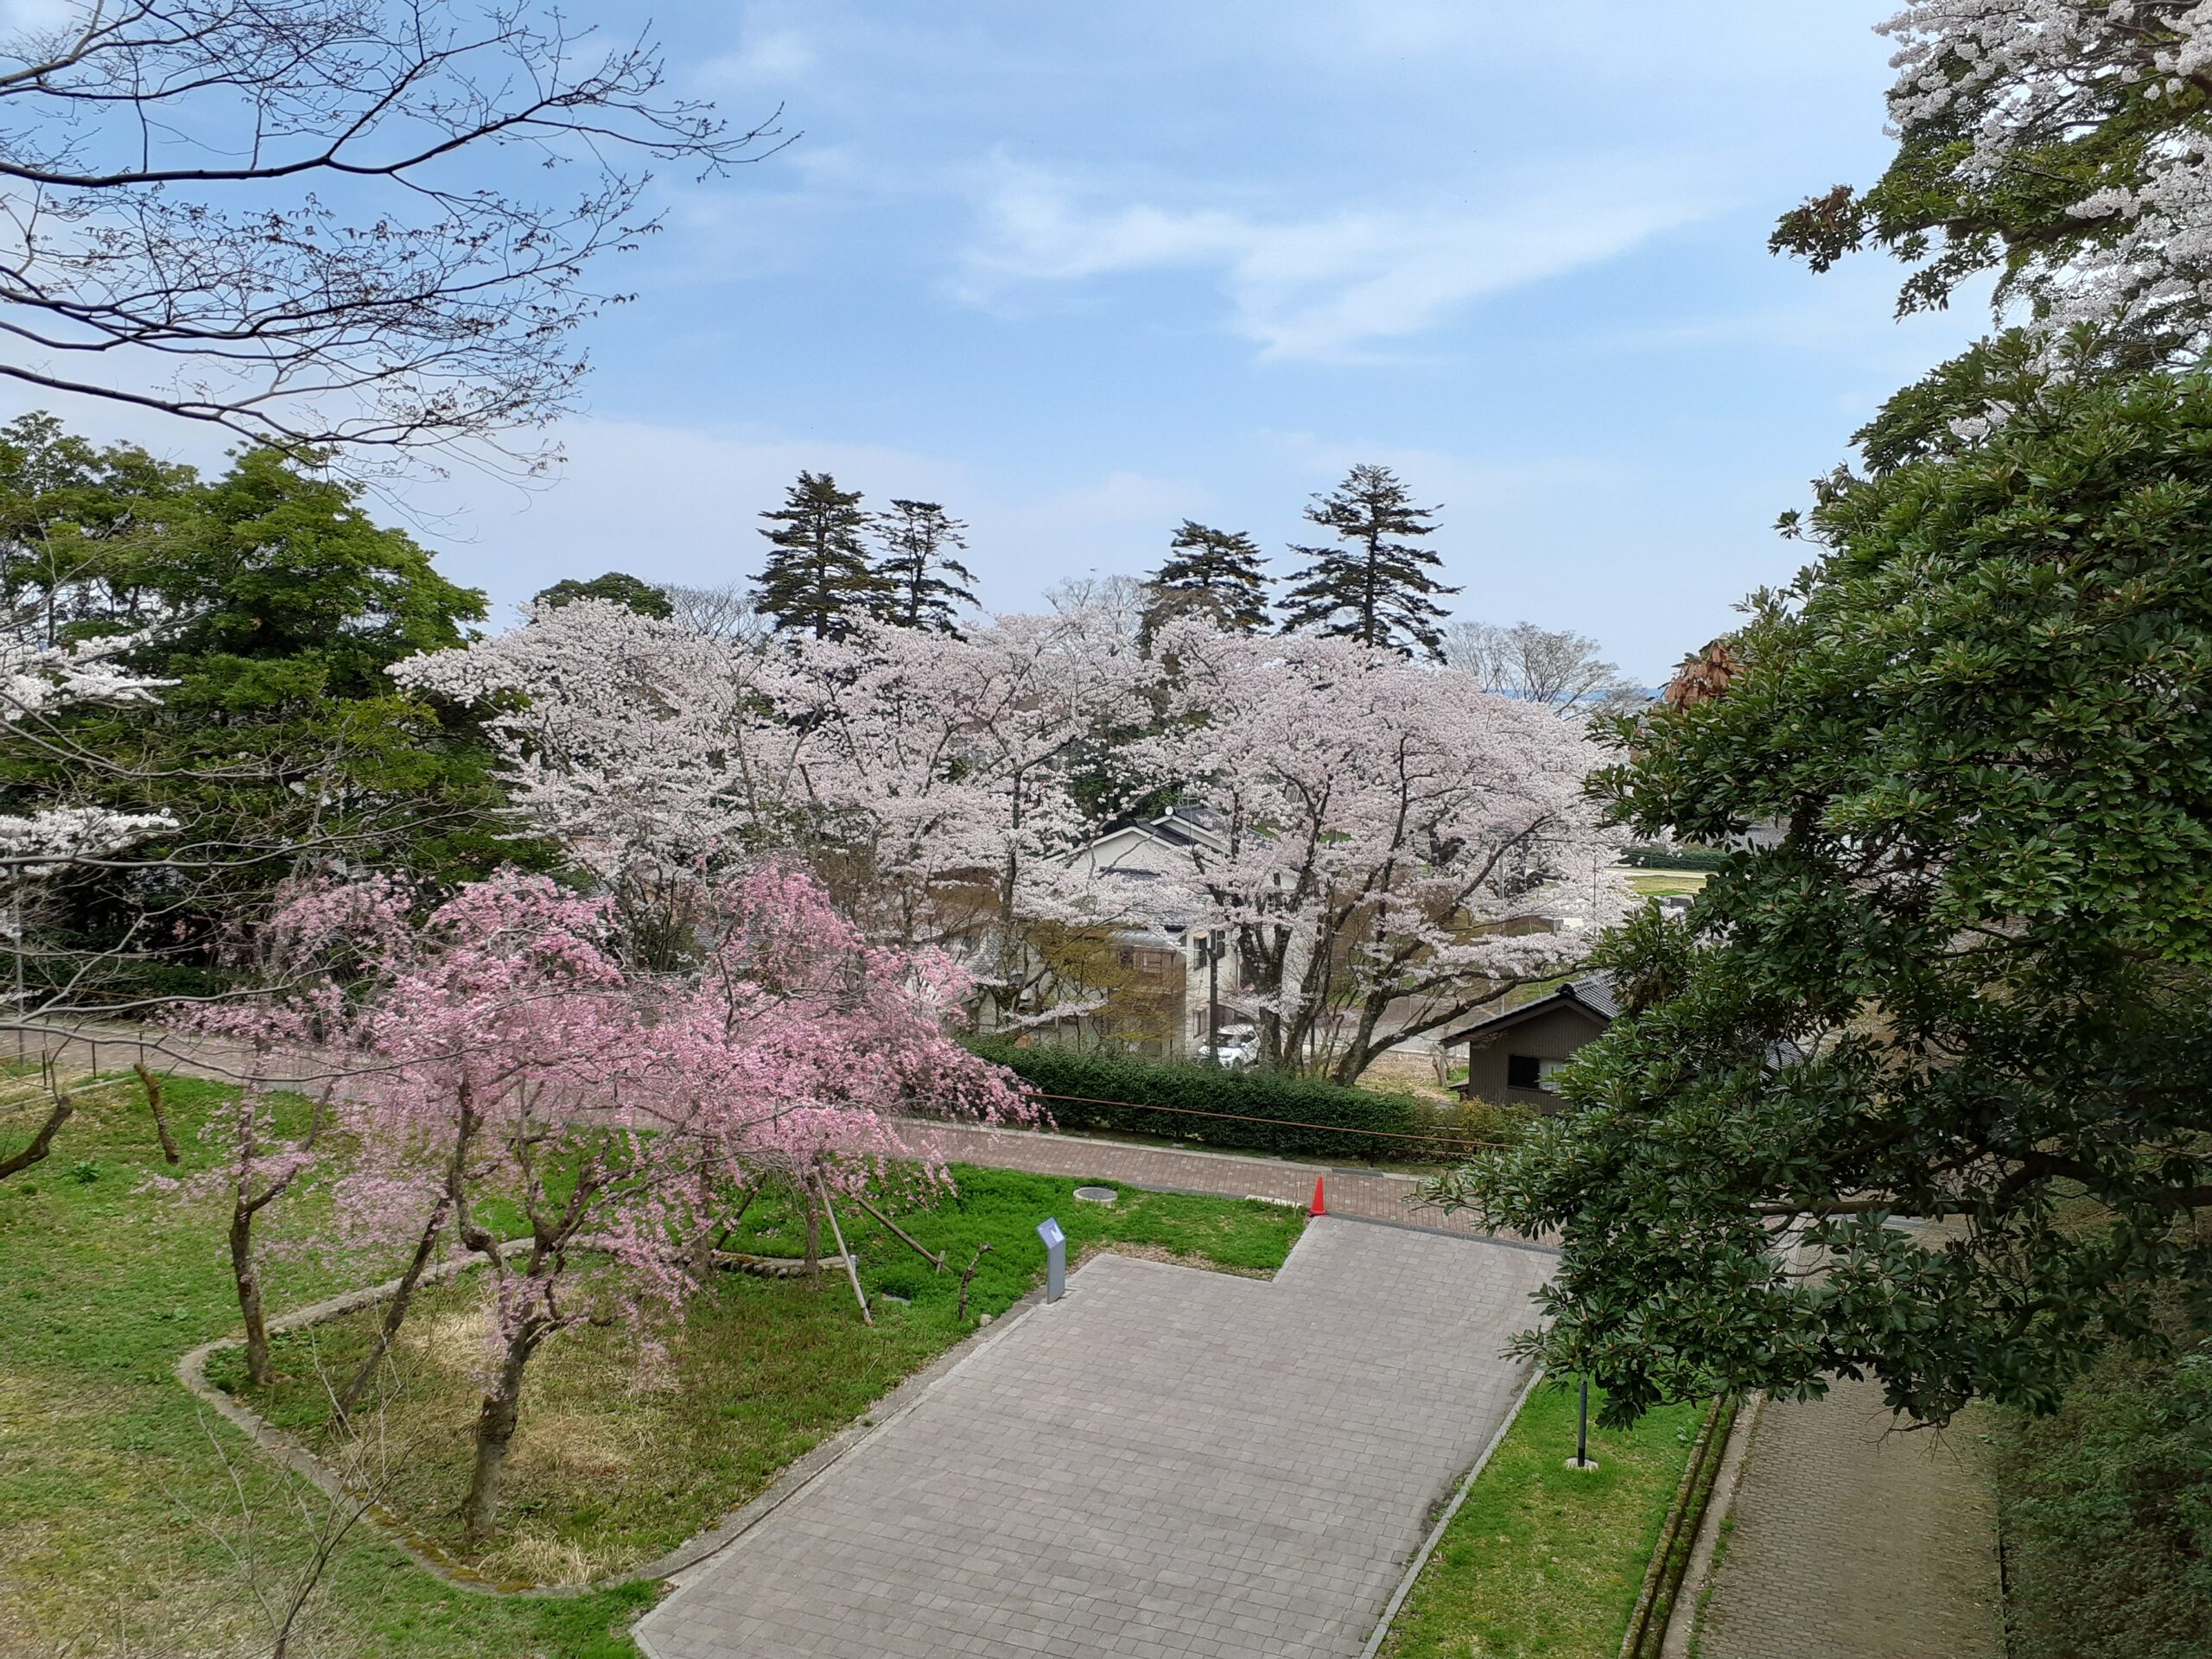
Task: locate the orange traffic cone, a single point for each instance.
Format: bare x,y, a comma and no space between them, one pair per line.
1320,1204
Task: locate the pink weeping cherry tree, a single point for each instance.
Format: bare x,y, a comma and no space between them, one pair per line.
500,1060
299,1008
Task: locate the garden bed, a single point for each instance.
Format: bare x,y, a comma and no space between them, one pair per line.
609,1472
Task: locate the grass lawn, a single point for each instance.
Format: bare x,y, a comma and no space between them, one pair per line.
1653,882
105,1462
1542,1562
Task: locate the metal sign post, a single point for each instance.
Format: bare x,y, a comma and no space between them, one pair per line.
1056,1259
1582,1459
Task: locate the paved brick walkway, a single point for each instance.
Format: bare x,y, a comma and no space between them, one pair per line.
1853,1543
1373,1194
1167,1462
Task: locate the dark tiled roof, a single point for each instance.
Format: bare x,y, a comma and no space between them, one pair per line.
1595,991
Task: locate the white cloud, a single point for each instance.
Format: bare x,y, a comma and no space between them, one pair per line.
1328,286
769,57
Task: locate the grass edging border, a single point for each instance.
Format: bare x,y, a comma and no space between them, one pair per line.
191,1371
1678,1535
1397,1601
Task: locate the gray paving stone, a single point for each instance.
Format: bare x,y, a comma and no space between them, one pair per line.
1852,1540
1167,1462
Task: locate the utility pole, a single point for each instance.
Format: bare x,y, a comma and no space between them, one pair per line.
1216,946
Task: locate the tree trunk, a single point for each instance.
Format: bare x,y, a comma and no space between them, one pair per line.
703,1240
813,1238
495,1433
155,1104
248,1280
43,1142
395,1311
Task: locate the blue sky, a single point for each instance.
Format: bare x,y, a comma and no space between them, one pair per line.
1078,272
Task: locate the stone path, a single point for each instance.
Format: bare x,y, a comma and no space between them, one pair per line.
1373,1195
1167,1462
1851,1541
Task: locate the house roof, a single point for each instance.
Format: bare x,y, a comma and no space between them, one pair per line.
1591,995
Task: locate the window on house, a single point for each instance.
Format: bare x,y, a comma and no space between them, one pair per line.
1528,1072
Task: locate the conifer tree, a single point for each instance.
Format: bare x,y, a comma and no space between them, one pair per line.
817,577
1378,587
925,582
1211,573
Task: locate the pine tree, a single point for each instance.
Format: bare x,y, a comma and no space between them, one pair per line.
817,576
1374,589
1211,573
924,582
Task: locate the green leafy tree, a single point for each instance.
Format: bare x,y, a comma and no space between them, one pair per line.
925,584
617,586
76,522
1377,587
276,604
1217,574
1967,985
818,578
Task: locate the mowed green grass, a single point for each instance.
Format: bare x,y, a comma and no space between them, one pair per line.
1543,1562
106,1464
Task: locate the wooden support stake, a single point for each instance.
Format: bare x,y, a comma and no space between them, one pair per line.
852,1268
936,1261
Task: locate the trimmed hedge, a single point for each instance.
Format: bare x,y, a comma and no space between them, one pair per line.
1134,1085
1644,856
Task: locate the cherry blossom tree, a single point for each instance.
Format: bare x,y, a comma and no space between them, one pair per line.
36,681
2062,143
634,742
938,785
1396,847
500,1058
1405,846
300,1007
949,783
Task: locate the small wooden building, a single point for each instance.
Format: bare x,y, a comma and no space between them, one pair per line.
1511,1056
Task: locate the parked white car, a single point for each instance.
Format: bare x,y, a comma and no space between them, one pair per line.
1235,1047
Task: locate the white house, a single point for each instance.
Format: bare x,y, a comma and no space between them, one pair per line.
1197,969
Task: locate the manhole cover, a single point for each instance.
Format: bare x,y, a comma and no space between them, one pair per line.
1096,1194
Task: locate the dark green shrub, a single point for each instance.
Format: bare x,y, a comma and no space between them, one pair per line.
2107,1509
1645,856
1253,1111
